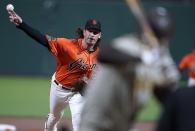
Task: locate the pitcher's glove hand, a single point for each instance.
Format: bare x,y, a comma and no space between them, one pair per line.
79,86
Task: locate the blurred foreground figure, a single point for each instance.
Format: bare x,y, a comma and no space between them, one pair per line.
179,111
130,70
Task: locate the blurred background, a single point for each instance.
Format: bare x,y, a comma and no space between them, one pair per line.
26,67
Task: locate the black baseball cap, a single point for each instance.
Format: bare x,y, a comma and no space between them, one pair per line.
93,24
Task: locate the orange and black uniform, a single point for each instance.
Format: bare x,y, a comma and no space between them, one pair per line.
73,61
188,62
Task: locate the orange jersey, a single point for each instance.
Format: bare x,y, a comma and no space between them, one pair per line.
188,62
73,61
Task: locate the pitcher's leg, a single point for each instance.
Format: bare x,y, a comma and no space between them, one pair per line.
76,105
58,102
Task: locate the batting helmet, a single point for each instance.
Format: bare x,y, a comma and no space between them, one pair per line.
161,22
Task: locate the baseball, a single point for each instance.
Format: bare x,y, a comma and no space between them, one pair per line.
10,7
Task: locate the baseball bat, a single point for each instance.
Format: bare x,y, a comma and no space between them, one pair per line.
138,11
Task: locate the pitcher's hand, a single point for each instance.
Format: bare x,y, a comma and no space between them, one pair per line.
15,18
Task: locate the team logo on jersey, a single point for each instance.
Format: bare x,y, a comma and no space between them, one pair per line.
51,39
80,63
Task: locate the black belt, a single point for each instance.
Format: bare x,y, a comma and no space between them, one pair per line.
63,87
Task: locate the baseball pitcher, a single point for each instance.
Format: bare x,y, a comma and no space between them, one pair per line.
76,61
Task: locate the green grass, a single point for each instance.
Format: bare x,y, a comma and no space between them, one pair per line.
25,97
29,97
151,111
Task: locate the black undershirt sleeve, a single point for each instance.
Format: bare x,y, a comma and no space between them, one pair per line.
36,35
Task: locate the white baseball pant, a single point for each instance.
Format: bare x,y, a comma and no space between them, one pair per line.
59,98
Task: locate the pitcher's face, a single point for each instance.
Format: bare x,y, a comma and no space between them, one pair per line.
91,36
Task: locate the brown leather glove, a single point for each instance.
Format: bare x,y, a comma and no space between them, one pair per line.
79,86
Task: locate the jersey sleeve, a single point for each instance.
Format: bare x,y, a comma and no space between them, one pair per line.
53,43
58,45
183,63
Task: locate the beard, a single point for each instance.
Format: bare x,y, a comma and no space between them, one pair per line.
91,42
